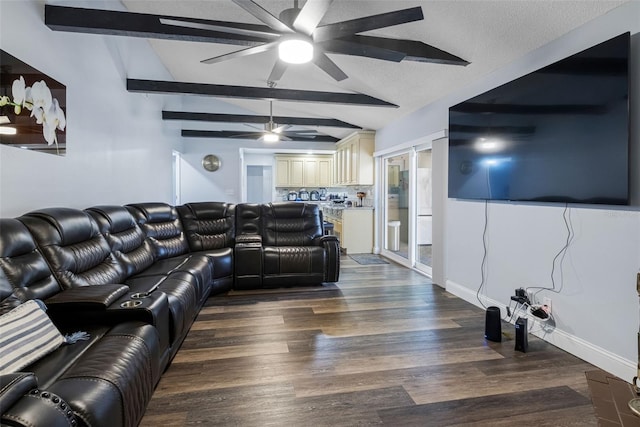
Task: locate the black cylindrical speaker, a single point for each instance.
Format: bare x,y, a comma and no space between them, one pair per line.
492,327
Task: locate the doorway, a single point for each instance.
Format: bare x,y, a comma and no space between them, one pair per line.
412,202
259,184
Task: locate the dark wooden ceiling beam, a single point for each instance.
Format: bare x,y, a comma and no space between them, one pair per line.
246,92
130,24
224,134
246,118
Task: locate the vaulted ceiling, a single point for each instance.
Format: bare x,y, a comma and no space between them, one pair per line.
487,34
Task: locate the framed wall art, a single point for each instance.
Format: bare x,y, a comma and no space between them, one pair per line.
32,108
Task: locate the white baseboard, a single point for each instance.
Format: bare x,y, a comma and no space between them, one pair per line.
597,356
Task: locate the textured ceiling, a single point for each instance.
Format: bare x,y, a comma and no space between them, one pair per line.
488,34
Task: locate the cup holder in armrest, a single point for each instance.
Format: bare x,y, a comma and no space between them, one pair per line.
130,304
139,295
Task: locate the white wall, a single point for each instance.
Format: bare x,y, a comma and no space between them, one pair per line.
597,310
118,150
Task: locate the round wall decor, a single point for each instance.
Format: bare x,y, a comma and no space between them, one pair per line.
211,162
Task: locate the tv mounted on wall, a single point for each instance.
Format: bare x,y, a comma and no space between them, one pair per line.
558,134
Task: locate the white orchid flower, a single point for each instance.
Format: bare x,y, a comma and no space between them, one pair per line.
18,89
38,113
28,99
41,96
62,120
53,119
49,132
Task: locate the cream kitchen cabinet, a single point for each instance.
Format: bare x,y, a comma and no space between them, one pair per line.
353,160
303,171
353,227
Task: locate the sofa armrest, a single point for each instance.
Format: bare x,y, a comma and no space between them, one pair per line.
248,238
23,404
331,246
97,297
14,386
152,309
326,239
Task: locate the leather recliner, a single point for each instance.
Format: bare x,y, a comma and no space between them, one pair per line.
210,230
283,244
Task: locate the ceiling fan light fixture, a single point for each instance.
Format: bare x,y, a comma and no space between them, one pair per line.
295,50
271,137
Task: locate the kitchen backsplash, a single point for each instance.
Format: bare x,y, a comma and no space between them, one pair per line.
329,194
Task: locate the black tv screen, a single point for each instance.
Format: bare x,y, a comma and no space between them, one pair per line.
558,134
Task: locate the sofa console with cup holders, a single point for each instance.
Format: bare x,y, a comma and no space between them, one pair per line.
95,303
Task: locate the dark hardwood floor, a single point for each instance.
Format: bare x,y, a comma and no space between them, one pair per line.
382,346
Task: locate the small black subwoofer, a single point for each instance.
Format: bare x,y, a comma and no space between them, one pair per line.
521,335
492,327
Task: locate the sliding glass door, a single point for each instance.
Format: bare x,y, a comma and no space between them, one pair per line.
424,210
397,194
408,207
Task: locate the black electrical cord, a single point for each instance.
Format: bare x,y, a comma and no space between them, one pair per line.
566,215
484,254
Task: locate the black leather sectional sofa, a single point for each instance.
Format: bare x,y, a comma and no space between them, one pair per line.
134,278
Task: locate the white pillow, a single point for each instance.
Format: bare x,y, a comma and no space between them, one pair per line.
26,335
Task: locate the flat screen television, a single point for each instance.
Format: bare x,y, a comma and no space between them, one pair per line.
558,134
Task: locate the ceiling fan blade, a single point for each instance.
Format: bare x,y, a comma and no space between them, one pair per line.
314,138
281,129
348,47
414,50
368,23
310,15
220,27
278,70
263,15
329,67
303,132
240,53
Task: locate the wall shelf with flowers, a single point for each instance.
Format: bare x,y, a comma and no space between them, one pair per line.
32,108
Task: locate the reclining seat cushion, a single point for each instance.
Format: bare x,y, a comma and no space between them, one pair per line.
290,224
208,225
124,236
22,265
76,252
162,228
291,253
210,230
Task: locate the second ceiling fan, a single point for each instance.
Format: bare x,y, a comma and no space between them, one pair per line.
297,35
271,132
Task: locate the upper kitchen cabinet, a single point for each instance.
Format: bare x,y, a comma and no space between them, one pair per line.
303,171
353,160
